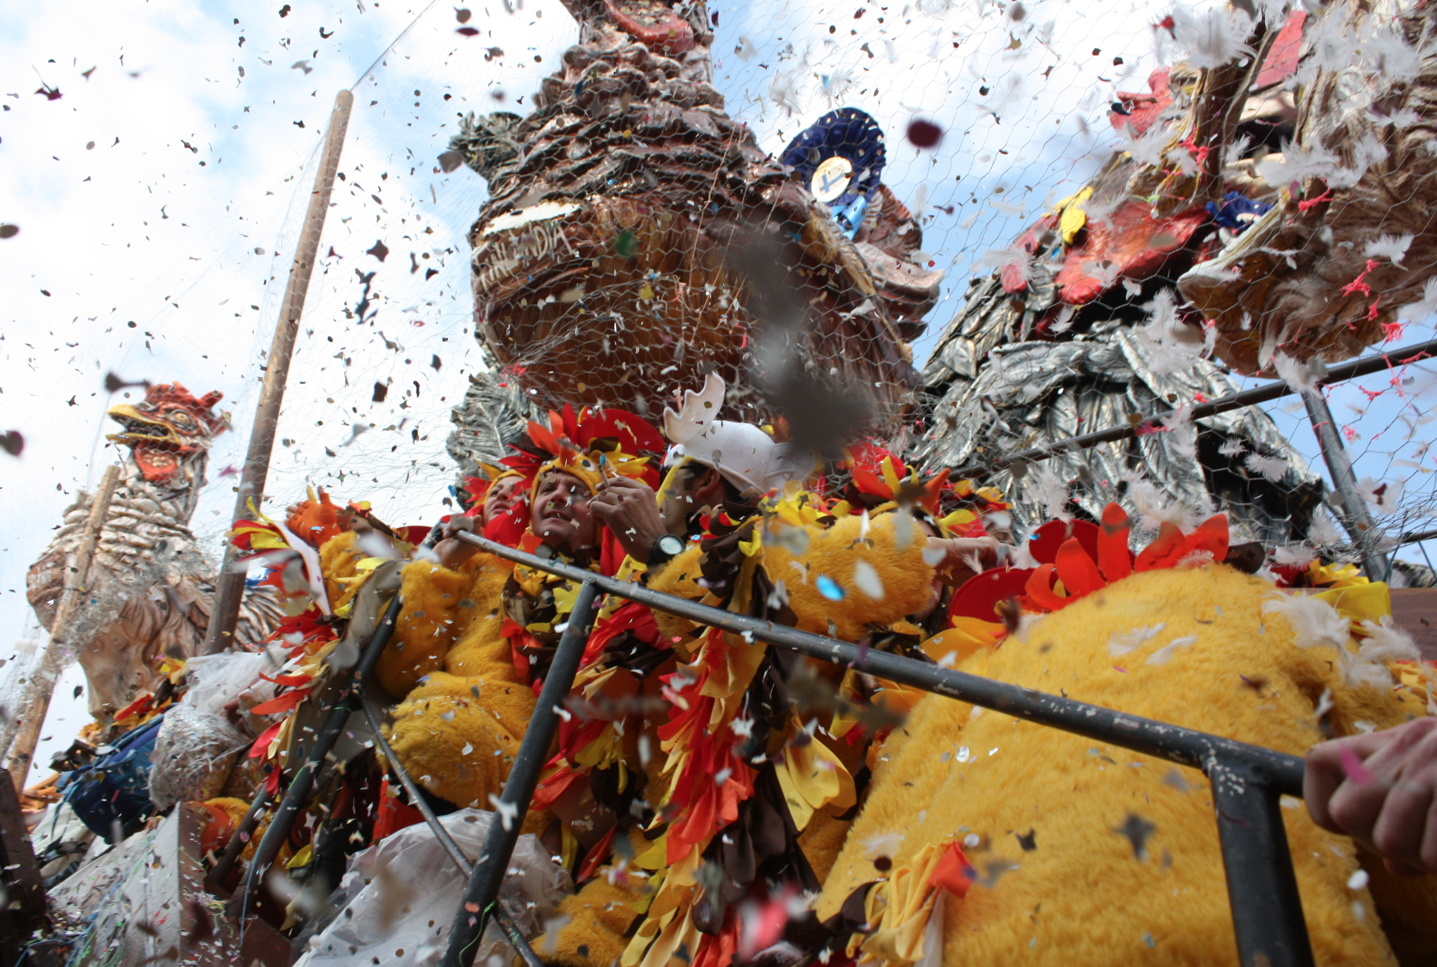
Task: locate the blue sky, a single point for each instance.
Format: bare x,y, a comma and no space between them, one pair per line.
189,220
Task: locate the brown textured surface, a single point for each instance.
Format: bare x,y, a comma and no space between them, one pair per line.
1415,611
636,292
1291,275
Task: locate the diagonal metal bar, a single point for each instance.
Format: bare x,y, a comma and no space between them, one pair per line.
1174,743
1355,369
501,916
481,898
1247,780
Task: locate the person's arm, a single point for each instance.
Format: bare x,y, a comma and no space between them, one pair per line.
1381,789
451,551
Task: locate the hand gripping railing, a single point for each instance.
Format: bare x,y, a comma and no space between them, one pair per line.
1247,780
301,785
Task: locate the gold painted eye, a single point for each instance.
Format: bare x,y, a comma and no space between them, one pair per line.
180,417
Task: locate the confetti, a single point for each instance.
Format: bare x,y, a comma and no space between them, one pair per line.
924,134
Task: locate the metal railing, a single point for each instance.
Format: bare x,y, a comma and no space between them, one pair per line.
1247,780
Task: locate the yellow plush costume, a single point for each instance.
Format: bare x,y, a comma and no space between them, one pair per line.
1045,817
458,729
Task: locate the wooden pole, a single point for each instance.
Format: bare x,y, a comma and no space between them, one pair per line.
28,721
225,613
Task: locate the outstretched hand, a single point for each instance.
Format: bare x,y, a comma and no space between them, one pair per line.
631,510
956,559
1380,789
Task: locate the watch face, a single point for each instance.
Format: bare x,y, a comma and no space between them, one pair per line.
671,545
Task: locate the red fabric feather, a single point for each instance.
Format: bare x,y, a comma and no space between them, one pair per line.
1115,560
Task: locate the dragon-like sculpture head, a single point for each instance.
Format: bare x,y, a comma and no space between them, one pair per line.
167,429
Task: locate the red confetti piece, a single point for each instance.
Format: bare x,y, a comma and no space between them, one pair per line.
924,134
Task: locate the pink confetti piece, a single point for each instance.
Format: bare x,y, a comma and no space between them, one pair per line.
1352,766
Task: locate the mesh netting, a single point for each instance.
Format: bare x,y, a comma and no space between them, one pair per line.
967,230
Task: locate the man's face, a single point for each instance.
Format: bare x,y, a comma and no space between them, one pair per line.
503,495
698,489
560,516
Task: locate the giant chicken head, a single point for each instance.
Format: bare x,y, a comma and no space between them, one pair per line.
168,429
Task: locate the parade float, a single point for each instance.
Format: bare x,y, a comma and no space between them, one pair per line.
804,735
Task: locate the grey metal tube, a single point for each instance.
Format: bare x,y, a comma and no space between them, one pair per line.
501,916
1258,394
1261,885
1174,743
1355,518
482,894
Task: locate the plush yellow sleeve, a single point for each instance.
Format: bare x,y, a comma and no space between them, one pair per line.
480,650
596,923
438,607
337,559
679,577
880,580
458,736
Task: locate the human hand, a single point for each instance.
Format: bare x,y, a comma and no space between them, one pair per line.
1381,789
631,509
451,551
956,559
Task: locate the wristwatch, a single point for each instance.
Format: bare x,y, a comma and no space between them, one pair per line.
665,549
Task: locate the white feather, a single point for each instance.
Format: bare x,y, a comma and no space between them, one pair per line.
1298,375
1212,37
1314,622
1272,468
1119,645
1014,256
1049,490
1417,311
1164,654
1393,247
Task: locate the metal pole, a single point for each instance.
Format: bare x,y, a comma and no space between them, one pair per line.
302,785
1261,884
1246,779
1258,394
225,613
241,837
25,730
1171,742
1355,516
483,891
416,798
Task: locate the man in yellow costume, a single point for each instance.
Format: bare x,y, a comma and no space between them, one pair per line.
476,634
989,841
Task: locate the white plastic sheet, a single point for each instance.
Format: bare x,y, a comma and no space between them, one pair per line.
213,681
193,756
399,898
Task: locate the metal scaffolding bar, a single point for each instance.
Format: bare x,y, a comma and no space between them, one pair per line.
482,894
1258,394
1267,912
